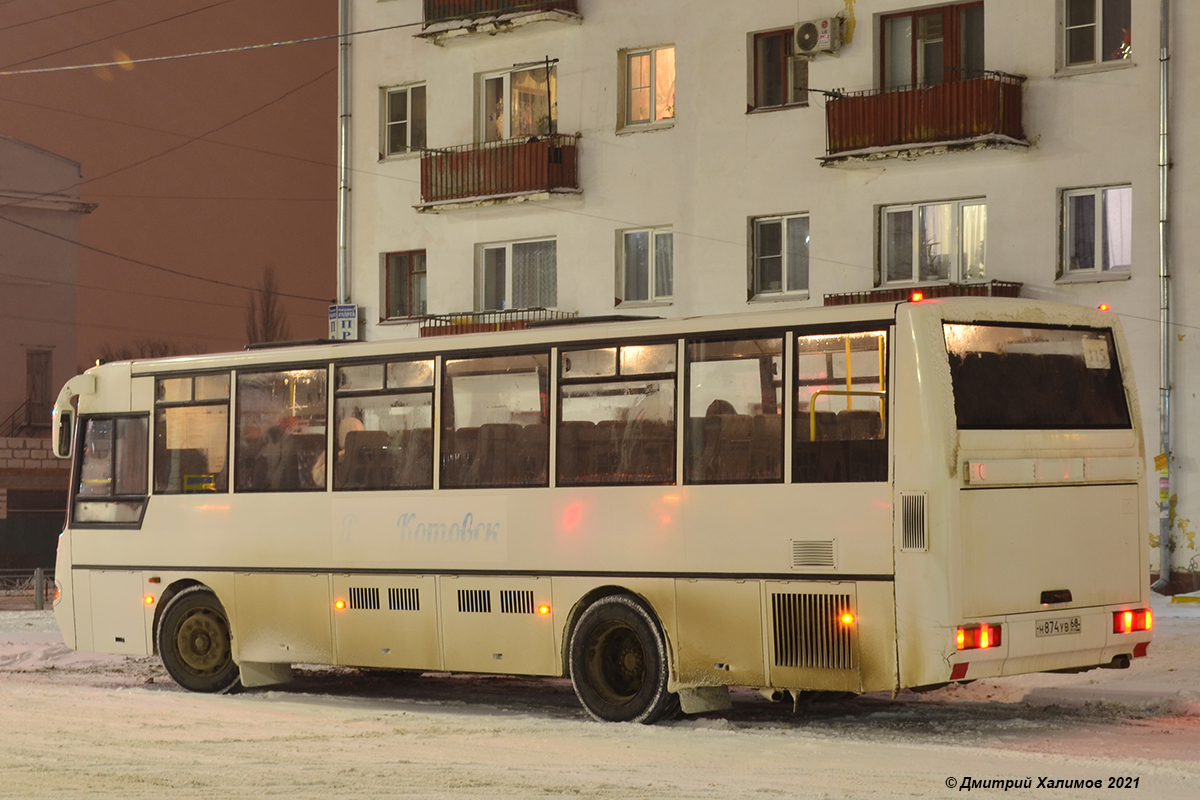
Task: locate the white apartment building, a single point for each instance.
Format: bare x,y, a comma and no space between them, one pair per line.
515,159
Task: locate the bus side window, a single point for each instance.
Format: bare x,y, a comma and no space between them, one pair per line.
281,419
840,425
191,434
617,422
495,421
383,426
113,477
735,420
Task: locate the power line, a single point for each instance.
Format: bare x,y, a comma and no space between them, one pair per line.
156,267
55,16
104,38
226,50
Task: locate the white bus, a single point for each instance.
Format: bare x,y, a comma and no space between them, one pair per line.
850,499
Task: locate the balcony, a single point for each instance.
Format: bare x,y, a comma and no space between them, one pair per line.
513,170
446,20
973,114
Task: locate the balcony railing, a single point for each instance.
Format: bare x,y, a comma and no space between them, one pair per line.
901,294
488,321
453,10
500,169
948,112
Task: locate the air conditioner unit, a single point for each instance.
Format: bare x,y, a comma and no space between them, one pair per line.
818,36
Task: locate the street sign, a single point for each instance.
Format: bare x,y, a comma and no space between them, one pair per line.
343,322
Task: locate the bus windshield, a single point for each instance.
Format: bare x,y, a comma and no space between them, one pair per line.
1009,377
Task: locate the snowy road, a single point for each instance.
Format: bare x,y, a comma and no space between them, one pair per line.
80,725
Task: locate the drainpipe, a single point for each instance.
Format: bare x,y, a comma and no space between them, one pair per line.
343,267
1164,313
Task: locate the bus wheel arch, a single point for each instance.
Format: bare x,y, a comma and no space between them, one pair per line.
164,600
618,658
194,638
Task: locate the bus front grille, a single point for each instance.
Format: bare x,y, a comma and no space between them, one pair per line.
475,601
364,598
809,631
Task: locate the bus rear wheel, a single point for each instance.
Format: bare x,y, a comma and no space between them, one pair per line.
618,663
195,643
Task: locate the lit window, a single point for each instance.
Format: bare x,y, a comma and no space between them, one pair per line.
518,103
649,86
1097,231
933,242
780,76
403,120
780,255
404,284
932,46
1096,32
647,265
515,275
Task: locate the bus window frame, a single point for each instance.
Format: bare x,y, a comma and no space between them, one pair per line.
229,424
602,344
444,394
77,473
783,334
887,328
235,410
331,478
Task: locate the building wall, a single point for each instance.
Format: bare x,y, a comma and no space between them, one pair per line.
39,272
719,166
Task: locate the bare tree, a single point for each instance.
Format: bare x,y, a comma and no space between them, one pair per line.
142,348
265,320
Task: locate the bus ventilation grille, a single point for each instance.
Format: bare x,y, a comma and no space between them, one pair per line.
516,601
404,600
364,598
912,521
813,554
475,601
809,632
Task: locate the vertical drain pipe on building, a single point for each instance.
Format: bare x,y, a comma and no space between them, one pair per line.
1164,311
343,267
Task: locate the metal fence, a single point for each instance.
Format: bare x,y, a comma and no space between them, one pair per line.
23,589
497,169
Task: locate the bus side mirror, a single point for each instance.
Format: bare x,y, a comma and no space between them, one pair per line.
64,427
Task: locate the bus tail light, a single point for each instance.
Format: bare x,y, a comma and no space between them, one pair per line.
1129,621
977,637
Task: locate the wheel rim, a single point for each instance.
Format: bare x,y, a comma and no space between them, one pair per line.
202,642
616,663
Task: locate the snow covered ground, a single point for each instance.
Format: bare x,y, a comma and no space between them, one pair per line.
85,725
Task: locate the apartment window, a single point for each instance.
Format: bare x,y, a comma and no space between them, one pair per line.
517,275
931,46
1096,32
944,241
649,84
1097,231
516,103
403,120
404,284
780,255
647,265
780,75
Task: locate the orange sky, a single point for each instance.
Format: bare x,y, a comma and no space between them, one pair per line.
214,166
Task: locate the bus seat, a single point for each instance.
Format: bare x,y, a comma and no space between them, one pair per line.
766,449
459,449
573,438
417,455
607,453
366,463
648,452
858,424
535,452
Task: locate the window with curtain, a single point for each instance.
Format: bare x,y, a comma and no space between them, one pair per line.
514,275
649,86
1097,232
945,241
933,45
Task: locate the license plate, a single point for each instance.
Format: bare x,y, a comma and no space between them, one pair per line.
1059,627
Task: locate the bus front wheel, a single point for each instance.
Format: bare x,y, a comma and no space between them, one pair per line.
618,663
195,643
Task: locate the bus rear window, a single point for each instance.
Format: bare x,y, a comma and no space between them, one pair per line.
1009,377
